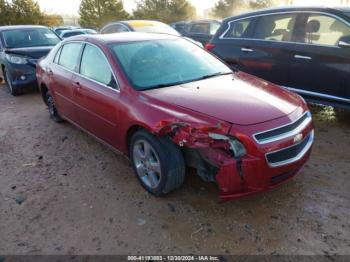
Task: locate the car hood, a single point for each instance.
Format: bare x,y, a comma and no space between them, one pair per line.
32,52
239,99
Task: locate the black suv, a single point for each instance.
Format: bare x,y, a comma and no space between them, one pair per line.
306,50
202,30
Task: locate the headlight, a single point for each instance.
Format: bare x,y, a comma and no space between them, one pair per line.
14,59
236,147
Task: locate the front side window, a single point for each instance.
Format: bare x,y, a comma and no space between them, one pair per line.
70,55
238,29
161,63
324,30
276,27
95,66
29,37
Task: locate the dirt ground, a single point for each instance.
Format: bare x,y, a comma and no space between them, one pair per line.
62,192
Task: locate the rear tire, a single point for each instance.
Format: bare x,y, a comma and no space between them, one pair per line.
13,90
158,163
55,116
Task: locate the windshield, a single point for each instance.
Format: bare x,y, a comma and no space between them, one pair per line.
161,63
155,28
30,37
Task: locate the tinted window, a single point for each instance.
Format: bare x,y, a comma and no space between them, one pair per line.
69,34
30,37
110,29
150,64
69,55
238,29
275,27
200,28
95,66
324,30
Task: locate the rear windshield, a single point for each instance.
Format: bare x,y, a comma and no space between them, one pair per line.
157,28
31,37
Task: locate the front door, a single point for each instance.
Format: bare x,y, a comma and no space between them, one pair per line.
97,95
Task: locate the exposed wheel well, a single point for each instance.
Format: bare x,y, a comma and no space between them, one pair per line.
43,91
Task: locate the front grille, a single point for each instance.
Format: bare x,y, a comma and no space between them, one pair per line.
284,131
290,154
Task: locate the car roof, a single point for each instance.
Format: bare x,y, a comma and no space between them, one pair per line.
122,37
13,27
289,9
205,21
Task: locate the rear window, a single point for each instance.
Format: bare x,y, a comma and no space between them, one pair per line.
200,28
29,37
238,29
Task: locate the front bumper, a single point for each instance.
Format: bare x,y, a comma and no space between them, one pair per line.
254,173
23,76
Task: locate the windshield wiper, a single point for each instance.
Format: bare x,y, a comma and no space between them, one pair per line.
185,82
213,75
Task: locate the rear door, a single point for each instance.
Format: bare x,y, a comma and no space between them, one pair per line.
320,69
97,94
61,73
268,53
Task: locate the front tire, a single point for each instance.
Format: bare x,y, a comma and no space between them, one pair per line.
55,116
158,163
8,79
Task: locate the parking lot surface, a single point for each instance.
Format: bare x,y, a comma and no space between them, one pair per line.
62,192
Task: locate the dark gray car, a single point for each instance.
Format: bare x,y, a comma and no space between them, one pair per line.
20,49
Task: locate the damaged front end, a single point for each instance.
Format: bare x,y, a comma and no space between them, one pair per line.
215,155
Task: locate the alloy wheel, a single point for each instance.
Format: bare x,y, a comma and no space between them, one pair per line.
147,164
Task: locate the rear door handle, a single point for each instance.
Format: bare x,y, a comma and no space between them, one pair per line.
49,71
248,50
303,57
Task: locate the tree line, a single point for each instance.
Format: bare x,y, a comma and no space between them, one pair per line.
23,12
97,13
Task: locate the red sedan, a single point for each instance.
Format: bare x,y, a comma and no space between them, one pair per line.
167,104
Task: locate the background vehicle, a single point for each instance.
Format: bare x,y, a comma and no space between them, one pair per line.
145,26
152,96
304,49
202,30
60,29
81,31
179,26
20,49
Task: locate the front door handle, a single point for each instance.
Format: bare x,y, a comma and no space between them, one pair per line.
303,57
247,50
77,84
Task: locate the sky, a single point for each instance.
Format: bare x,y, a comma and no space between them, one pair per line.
72,6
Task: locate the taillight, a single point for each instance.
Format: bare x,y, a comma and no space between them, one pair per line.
209,46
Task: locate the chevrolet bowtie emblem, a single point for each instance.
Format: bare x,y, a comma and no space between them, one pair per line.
298,138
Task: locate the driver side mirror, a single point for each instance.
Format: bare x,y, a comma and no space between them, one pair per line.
344,42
